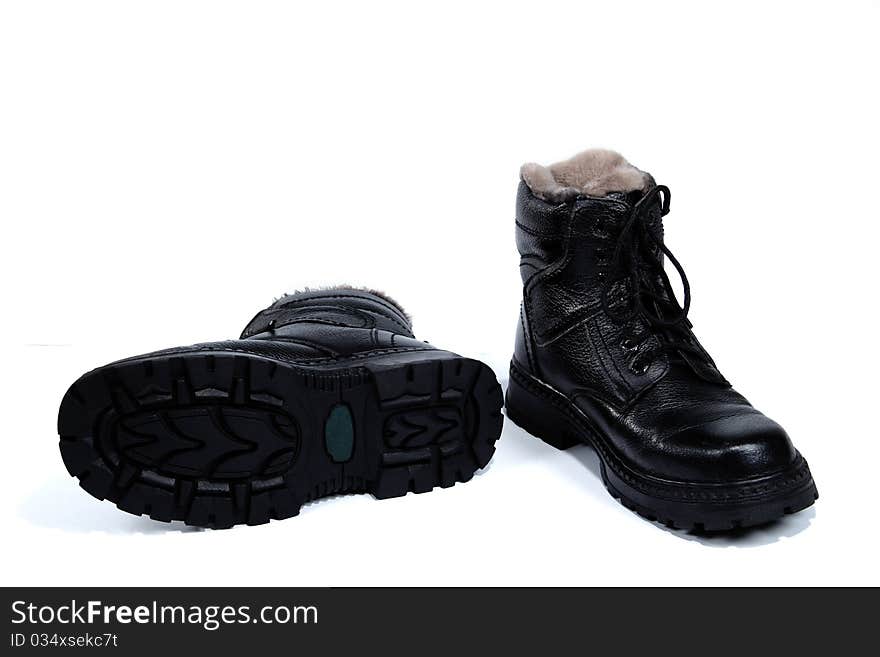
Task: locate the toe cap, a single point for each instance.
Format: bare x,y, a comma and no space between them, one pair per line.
729,448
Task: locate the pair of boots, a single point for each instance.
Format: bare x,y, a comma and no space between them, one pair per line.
328,391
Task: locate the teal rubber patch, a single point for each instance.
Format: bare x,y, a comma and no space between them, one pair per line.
339,434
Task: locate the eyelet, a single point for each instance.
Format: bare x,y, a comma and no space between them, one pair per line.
640,366
629,343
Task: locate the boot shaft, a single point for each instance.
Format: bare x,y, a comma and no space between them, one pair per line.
567,255
598,311
334,306
335,322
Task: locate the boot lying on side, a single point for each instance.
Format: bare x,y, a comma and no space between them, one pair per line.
605,355
325,392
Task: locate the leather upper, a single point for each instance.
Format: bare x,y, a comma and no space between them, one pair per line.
335,324
328,328
669,413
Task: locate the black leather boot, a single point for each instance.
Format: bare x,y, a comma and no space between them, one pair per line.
605,355
325,392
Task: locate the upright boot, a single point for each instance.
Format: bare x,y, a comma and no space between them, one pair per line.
325,392
605,355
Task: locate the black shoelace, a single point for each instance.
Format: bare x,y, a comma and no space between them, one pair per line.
638,264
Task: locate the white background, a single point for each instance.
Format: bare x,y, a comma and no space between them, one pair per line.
167,168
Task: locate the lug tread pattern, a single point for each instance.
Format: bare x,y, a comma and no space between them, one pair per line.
442,419
220,439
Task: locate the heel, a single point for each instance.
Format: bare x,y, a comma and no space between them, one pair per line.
538,416
438,423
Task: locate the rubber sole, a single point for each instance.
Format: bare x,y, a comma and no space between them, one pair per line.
220,439
692,506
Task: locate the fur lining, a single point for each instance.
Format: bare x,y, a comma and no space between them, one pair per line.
594,172
355,288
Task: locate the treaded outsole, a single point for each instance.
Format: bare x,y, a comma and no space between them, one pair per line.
677,505
220,439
